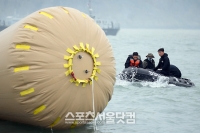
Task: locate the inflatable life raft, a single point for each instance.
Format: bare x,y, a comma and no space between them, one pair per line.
57,69
140,74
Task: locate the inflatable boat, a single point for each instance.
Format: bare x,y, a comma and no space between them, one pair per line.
139,74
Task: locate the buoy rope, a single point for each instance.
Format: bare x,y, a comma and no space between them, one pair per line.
51,130
94,124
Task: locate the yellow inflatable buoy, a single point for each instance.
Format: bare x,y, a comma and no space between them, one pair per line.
53,63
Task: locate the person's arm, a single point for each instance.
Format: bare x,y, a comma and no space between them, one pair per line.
166,62
156,68
154,64
127,63
141,64
145,64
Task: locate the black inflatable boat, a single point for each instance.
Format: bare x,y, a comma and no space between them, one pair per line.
140,74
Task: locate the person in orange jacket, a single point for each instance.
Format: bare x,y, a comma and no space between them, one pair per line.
133,61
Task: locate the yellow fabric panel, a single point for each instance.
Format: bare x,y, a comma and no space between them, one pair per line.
96,55
97,63
93,49
77,83
71,80
76,48
31,27
68,57
96,78
84,15
46,14
23,46
67,73
98,70
26,92
82,46
55,122
74,124
70,51
39,109
80,81
24,68
84,84
66,11
87,46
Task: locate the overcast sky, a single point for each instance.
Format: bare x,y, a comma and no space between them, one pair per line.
129,13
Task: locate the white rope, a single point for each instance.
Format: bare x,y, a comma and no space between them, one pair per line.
94,125
51,130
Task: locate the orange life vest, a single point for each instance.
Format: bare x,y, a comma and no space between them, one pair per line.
134,63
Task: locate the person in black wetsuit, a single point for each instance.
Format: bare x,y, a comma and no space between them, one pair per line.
174,71
163,66
133,61
149,62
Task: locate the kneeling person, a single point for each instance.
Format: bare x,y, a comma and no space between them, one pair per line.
133,61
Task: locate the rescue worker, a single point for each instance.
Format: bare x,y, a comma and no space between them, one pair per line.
174,71
133,61
149,62
163,66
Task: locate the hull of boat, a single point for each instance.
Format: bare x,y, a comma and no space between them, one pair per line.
2,28
111,32
140,74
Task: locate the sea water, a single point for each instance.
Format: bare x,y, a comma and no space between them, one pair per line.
158,107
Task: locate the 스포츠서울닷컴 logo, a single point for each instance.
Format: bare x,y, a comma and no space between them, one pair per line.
101,118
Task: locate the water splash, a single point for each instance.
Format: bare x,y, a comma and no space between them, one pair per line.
161,82
120,82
